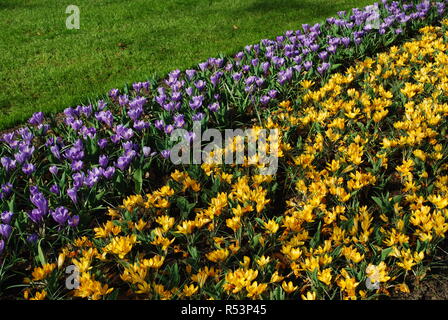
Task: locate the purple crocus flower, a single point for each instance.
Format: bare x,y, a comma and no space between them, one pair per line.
200,85
76,124
169,129
255,62
34,190
6,217
285,76
60,215
77,165
323,55
101,105
259,82
113,93
73,194
189,91
102,143
171,106
32,238
137,86
78,180
277,61
129,145
141,125
54,170
123,163
264,100
228,67
190,74
87,110
123,132
39,201
103,161
176,96
105,117
165,154
203,66
9,139
137,103
160,99
147,151
198,116
273,93
2,246
109,172
307,65
5,230
237,76
93,176
179,120
190,136
6,190
36,215
55,189
21,157
43,128
213,107
73,221
159,124
28,168
26,134
123,100
37,118
323,67
245,68
215,78
239,55
56,152
8,163
76,152
196,102
250,80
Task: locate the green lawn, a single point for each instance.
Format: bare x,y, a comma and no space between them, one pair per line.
45,67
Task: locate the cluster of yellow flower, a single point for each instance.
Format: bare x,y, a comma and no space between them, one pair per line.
358,202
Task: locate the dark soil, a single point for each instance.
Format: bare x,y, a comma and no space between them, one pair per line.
433,288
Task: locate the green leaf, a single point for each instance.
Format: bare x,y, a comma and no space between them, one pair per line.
174,273
40,254
378,202
385,253
193,252
100,195
184,206
335,66
138,180
11,203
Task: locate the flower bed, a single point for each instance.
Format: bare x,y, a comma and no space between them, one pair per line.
358,204
58,178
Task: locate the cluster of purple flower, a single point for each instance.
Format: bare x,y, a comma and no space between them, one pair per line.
264,69
5,228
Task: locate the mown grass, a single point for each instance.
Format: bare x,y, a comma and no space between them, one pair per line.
46,67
